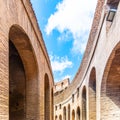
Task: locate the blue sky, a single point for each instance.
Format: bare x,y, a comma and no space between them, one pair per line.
65,26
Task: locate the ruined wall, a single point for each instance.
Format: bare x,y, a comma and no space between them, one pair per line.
61,86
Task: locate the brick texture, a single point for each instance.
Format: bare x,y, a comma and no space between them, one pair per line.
24,62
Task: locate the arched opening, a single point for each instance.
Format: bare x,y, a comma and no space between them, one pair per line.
22,76
78,113
72,98
64,113
52,104
60,117
62,84
60,106
73,115
56,108
47,98
92,95
110,87
69,112
56,117
84,103
17,85
78,92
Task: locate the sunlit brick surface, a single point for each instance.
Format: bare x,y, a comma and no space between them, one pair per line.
24,62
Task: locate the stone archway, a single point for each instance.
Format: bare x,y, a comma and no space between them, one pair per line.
52,104
110,87
23,77
78,113
69,112
46,98
84,112
73,115
92,95
17,85
64,113
56,117
60,117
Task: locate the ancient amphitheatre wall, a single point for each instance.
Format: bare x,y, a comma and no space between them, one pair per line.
94,92
21,36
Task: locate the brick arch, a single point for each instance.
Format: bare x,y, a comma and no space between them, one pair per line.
64,113
60,117
68,111
46,97
56,117
110,87
84,100
23,74
17,85
52,103
92,94
73,114
78,113
22,42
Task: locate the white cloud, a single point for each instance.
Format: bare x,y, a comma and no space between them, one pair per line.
66,36
74,16
79,43
60,64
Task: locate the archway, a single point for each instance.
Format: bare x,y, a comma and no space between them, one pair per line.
60,117
78,113
69,112
17,85
47,98
64,113
22,76
110,87
56,117
73,115
84,103
52,104
92,95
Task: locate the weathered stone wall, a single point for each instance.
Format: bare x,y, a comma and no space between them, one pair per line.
18,25
60,86
98,76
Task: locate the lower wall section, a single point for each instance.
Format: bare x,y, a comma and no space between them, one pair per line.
4,79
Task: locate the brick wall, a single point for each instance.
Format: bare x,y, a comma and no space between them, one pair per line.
18,24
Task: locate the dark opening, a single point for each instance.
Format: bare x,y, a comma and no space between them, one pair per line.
47,97
84,104
17,85
78,113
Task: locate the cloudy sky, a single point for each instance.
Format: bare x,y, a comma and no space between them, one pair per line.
65,26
